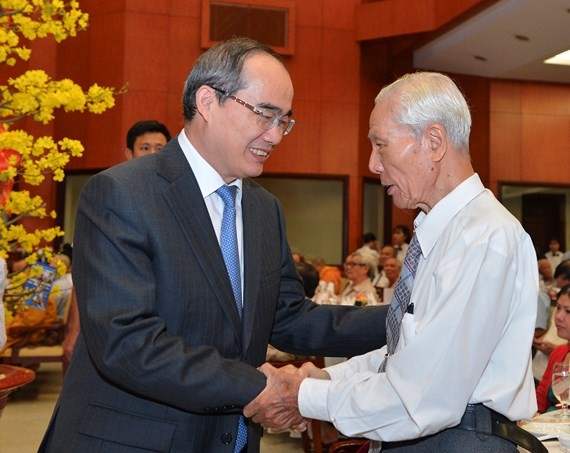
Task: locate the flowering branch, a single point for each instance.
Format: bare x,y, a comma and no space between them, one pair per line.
24,158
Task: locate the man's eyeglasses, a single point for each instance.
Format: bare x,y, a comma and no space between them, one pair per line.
352,263
265,117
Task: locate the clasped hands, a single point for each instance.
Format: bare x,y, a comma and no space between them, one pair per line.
277,407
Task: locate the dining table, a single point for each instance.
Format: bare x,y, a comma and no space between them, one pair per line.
11,378
548,427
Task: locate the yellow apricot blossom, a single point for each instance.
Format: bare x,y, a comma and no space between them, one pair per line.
24,158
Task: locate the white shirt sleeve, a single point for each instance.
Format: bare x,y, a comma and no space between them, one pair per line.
468,342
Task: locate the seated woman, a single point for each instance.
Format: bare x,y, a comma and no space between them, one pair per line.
545,399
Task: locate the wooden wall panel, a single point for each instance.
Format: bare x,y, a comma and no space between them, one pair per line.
146,64
340,60
306,66
184,8
339,15
309,14
505,96
530,132
299,152
545,152
477,92
545,99
185,45
339,139
390,18
505,146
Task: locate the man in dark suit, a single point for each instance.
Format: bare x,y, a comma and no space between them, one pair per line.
167,354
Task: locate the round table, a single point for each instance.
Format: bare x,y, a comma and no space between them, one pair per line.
12,377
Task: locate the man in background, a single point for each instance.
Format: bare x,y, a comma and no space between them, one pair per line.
146,137
370,245
360,269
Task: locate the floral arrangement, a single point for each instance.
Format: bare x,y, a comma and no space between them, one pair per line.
24,158
361,300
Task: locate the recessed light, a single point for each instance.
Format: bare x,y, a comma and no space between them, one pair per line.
561,59
522,38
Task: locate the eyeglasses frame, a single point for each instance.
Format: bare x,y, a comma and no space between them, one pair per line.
258,112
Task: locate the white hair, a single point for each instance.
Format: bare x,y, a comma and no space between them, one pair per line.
425,98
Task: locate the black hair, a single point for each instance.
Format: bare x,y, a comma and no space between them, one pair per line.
563,292
221,67
310,278
368,237
404,229
563,270
144,127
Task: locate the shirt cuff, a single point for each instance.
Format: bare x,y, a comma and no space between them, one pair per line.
312,401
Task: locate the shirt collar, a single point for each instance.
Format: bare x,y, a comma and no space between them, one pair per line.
428,227
209,180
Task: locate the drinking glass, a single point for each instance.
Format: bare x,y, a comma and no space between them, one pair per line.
561,386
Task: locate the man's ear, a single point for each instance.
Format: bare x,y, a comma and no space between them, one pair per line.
205,97
128,154
436,139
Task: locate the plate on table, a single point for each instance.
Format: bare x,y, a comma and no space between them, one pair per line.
547,423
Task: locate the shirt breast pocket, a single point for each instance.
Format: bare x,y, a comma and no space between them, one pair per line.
409,329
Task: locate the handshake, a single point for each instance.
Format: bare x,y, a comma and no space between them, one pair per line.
277,407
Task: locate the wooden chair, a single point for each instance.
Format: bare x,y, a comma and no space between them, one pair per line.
316,445
347,446
23,353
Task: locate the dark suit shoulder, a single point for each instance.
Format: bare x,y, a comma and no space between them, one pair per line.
169,162
256,190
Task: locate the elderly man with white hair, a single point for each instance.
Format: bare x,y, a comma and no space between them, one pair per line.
361,268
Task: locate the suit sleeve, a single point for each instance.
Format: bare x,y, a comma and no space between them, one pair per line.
303,327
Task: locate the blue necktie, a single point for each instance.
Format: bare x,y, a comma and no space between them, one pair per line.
229,246
401,297
228,241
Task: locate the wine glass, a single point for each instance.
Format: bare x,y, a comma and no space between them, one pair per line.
561,386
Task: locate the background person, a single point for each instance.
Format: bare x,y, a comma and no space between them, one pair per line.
328,274
401,237
146,137
360,269
554,255
370,245
546,401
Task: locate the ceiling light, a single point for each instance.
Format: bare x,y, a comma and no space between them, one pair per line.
561,59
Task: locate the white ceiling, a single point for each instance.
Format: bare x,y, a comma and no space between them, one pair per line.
491,35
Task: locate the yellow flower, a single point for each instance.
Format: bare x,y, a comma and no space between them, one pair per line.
34,94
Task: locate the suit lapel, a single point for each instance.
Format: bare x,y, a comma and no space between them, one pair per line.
252,257
188,207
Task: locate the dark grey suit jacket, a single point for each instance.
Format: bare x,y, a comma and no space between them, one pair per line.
163,362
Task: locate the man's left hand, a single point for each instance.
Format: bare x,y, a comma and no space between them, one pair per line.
276,406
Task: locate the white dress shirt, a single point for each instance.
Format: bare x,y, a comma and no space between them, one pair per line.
468,340
209,181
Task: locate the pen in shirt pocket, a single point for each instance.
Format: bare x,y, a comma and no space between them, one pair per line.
410,309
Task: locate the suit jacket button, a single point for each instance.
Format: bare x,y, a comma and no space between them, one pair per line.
226,438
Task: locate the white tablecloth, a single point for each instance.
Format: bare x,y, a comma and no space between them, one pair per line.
548,423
